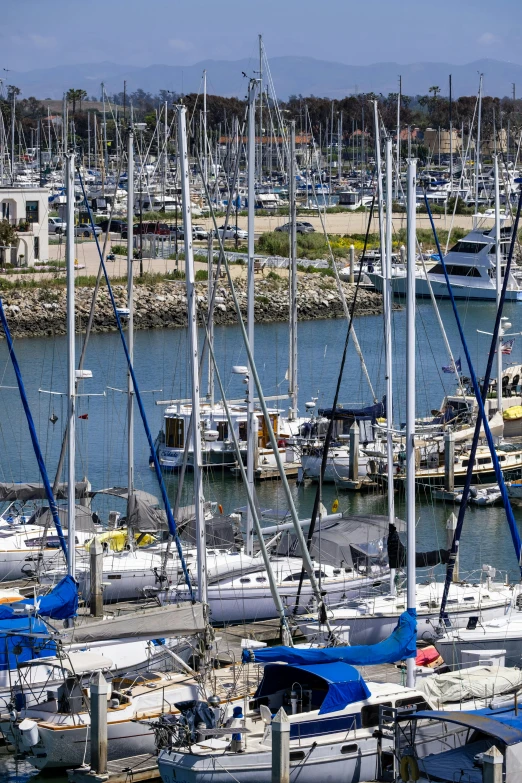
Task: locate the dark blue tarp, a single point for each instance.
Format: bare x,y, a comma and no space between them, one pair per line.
60,604
343,684
372,412
401,644
15,648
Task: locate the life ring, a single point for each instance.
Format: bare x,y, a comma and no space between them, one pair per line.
409,769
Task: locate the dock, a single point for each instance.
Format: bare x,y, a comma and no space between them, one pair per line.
271,472
132,768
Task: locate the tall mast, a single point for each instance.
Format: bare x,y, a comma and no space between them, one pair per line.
210,262
89,139
385,242
340,144
260,174
205,160
252,419
130,305
498,281
292,375
411,602
398,150
387,304
13,128
105,149
194,355
71,403
477,151
451,134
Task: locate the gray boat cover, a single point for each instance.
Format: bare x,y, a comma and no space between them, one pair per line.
85,519
31,490
477,682
144,515
222,532
337,542
123,492
156,622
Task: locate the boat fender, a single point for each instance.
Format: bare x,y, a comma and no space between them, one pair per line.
409,769
220,508
29,733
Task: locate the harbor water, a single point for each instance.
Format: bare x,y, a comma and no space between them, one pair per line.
161,361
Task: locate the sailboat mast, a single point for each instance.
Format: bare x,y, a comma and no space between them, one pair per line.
252,419
292,375
477,151
201,543
260,175
498,281
451,134
71,405
388,303
205,158
411,603
130,305
398,149
385,242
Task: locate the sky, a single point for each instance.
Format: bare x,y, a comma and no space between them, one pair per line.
39,33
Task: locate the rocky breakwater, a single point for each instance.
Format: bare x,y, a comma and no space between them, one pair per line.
36,312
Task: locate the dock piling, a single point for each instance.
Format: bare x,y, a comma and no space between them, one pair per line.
449,461
281,748
99,691
354,452
96,573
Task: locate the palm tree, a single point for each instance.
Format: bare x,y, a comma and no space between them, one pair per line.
82,95
75,95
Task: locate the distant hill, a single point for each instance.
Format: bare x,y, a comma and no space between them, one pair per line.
291,76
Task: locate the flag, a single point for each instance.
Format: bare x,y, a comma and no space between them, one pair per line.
453,367
83,416
507,346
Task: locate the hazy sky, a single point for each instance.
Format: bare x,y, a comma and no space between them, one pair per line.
41,33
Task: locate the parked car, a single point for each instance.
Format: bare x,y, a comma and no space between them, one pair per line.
117,226
200,232
149,227
301,227
230,232
85,230
57,226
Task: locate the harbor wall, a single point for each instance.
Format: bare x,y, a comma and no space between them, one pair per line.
37,312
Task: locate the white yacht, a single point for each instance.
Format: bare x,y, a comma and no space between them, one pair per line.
470,264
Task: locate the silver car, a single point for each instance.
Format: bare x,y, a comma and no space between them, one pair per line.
85,230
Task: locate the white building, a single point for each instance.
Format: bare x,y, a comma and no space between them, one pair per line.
28,210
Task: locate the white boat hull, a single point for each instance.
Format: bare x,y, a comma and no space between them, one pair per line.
440,289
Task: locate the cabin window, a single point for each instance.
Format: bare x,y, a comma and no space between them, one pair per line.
31,211
465,463
501,458
260,578
353,748
175,433
222,428
416,703
484,460
297,755
245,580
370,714
468,247
242,430
113,576
455,269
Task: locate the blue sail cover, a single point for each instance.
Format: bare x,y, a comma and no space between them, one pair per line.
344,683
401,644
16,648
60,604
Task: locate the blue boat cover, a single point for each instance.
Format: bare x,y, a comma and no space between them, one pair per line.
344,683
15,648
401,644
60,604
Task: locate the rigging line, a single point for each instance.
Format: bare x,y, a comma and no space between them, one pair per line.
88,328
284,480
336,272
170,518
205,341
32,432
480,396
329,432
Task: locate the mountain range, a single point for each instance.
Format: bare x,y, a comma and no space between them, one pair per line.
291,76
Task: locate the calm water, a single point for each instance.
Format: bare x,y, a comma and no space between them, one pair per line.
161,366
